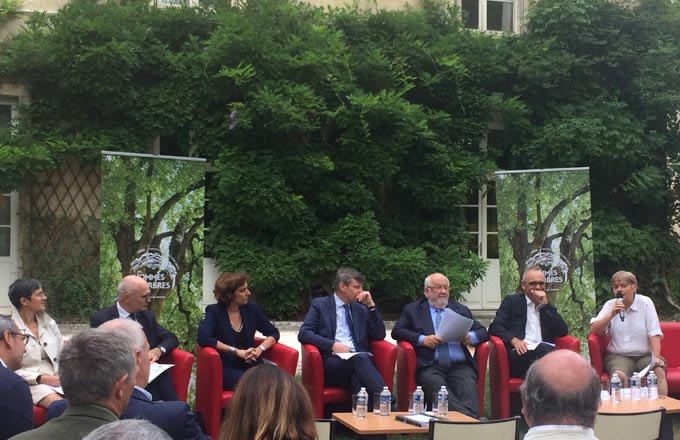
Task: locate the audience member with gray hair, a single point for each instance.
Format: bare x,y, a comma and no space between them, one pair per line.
97,372
560,397
175,417
131,429
16,407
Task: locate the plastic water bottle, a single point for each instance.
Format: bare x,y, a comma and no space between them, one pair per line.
443,402
362,403
653,385
615,389
418,400
385,402
635,390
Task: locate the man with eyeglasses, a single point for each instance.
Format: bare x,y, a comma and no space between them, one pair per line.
133,303
16,406
440,363
527,323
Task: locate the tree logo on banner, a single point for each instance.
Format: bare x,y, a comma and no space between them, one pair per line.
555,267
157,268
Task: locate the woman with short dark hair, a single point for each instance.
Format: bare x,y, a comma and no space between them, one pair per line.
40,367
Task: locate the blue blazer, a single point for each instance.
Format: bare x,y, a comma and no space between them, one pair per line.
16,406
173,417
511,320
216,327
416,320
319,325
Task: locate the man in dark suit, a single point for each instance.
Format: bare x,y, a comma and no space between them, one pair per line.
97,372
133,302
440,363
174,417
527,323
342,323
16,406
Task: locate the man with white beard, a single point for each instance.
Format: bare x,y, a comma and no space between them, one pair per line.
440,363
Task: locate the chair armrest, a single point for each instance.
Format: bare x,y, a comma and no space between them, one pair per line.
595,352
385,358
283,356
499,378
313,377
568,342
208,383
181,372
406,373
482,358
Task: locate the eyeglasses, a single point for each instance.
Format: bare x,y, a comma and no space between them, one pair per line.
24,337
536,283
439,287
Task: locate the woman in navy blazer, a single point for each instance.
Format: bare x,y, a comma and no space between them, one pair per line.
229,327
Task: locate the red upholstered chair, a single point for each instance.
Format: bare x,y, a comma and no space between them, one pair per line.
181,372
597,348
384,356
670,352
500,382
39,415
210,399
406,373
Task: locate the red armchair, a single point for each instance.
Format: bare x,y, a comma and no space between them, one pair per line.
406,373
500,382
39,415
670,352
210,398
384,356
181,372
597,349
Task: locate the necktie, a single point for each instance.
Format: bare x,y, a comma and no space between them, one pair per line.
348,318
442,349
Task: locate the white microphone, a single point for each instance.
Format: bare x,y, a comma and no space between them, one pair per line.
619,298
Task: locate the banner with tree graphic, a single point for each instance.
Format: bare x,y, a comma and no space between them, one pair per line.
544,219
152,226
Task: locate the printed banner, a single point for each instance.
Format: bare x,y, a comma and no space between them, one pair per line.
544,219
152,226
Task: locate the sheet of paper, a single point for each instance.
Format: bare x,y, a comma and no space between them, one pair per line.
536,344
648,367
346,356
453,326
157,369
59,390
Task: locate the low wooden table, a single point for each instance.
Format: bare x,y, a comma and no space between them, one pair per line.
373,424
629,406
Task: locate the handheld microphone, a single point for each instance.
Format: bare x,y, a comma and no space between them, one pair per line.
622,314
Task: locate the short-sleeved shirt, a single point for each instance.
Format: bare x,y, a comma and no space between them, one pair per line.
631,336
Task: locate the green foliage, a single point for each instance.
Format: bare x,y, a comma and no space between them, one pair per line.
343,137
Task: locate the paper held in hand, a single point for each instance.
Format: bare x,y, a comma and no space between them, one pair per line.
345,356
647,368
453,326
157,369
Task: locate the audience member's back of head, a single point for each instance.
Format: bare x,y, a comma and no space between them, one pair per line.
268,404
92,362
561,388
129,429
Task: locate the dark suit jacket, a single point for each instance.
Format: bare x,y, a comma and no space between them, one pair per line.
16,406
319,325
76,422
416,320
511,319
216,327
175,418
155,334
